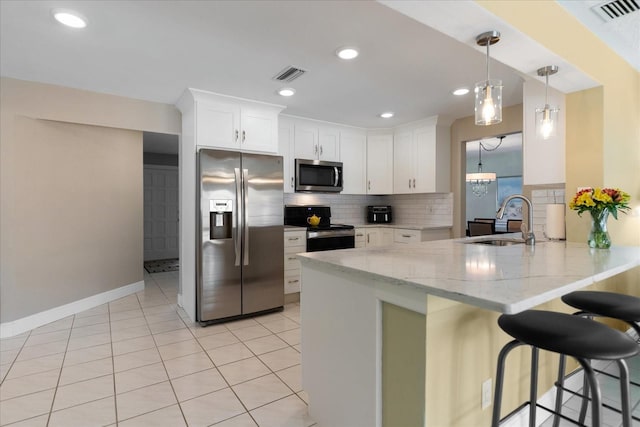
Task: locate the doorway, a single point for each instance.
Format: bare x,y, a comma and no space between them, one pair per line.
161,201
502,155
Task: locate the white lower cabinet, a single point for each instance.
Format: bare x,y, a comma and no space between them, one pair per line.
405,235
378,236
295,241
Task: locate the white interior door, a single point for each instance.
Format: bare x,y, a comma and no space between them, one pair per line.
160,212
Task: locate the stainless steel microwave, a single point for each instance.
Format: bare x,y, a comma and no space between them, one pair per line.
318,175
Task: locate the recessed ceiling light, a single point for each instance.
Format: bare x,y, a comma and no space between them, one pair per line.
286,91
347,52
69,18
387,115
461,91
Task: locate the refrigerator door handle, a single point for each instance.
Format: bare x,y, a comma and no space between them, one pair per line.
236,227
245,183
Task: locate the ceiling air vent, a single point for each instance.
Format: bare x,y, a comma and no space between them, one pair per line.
289,74
616,9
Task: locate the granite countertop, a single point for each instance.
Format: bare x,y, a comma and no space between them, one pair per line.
405,226
507,279
408,227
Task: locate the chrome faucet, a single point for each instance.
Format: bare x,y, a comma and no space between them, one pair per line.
527,233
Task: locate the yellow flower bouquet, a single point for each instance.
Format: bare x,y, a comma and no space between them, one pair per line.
600,202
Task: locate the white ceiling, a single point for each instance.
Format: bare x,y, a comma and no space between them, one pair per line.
153,50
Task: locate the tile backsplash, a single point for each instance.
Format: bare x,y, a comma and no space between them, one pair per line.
540,199
432,209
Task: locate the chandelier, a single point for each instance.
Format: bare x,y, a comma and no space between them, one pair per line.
480,180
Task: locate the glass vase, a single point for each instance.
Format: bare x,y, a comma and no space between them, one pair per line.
599,236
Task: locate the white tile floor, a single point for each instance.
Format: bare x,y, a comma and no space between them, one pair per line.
139,361
610,388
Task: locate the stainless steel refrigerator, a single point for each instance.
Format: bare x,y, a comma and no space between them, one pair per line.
240,263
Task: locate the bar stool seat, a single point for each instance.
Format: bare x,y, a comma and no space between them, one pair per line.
607,304
569,335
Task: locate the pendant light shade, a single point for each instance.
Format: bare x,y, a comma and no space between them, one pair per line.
488,104
547,116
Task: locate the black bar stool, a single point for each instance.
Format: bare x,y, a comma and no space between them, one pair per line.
574,336
604,304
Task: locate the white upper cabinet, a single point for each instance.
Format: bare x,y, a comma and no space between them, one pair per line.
422,157
231,123
316,142
379,164
353,152
285,149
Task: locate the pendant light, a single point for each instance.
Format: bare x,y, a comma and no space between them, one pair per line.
480,180
488,105
547,116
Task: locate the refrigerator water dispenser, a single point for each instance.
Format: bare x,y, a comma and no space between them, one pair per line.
220,219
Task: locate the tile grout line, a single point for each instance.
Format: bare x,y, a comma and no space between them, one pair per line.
55,392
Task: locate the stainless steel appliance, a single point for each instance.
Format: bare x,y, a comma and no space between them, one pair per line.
240,267
379,214
319,176
325,236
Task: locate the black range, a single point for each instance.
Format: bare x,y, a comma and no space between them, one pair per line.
324,236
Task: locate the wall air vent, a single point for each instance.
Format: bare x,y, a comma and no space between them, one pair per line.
611,10
289,74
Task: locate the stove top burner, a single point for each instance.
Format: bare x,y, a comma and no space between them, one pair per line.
331,227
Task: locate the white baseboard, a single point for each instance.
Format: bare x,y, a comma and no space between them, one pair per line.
16,327
521,418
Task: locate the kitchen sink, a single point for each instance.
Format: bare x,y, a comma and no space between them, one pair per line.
497,242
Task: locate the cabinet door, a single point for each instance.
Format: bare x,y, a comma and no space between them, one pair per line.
425,159
361,238
403,163
386,236
373,237
217,125
353,152
285,149
305,141
329,145
379,164
259,130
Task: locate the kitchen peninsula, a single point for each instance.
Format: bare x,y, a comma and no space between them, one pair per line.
412,328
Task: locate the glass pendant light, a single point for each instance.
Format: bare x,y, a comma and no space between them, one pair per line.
488,104
547,116
480,180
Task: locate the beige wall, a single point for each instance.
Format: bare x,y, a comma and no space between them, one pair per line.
463,130
71,193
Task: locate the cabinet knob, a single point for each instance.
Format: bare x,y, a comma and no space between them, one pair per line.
291,182
293,281
409,182
236,134
291,258
369,185
406,235
414,183
315,149
244,136
321,150
294,238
